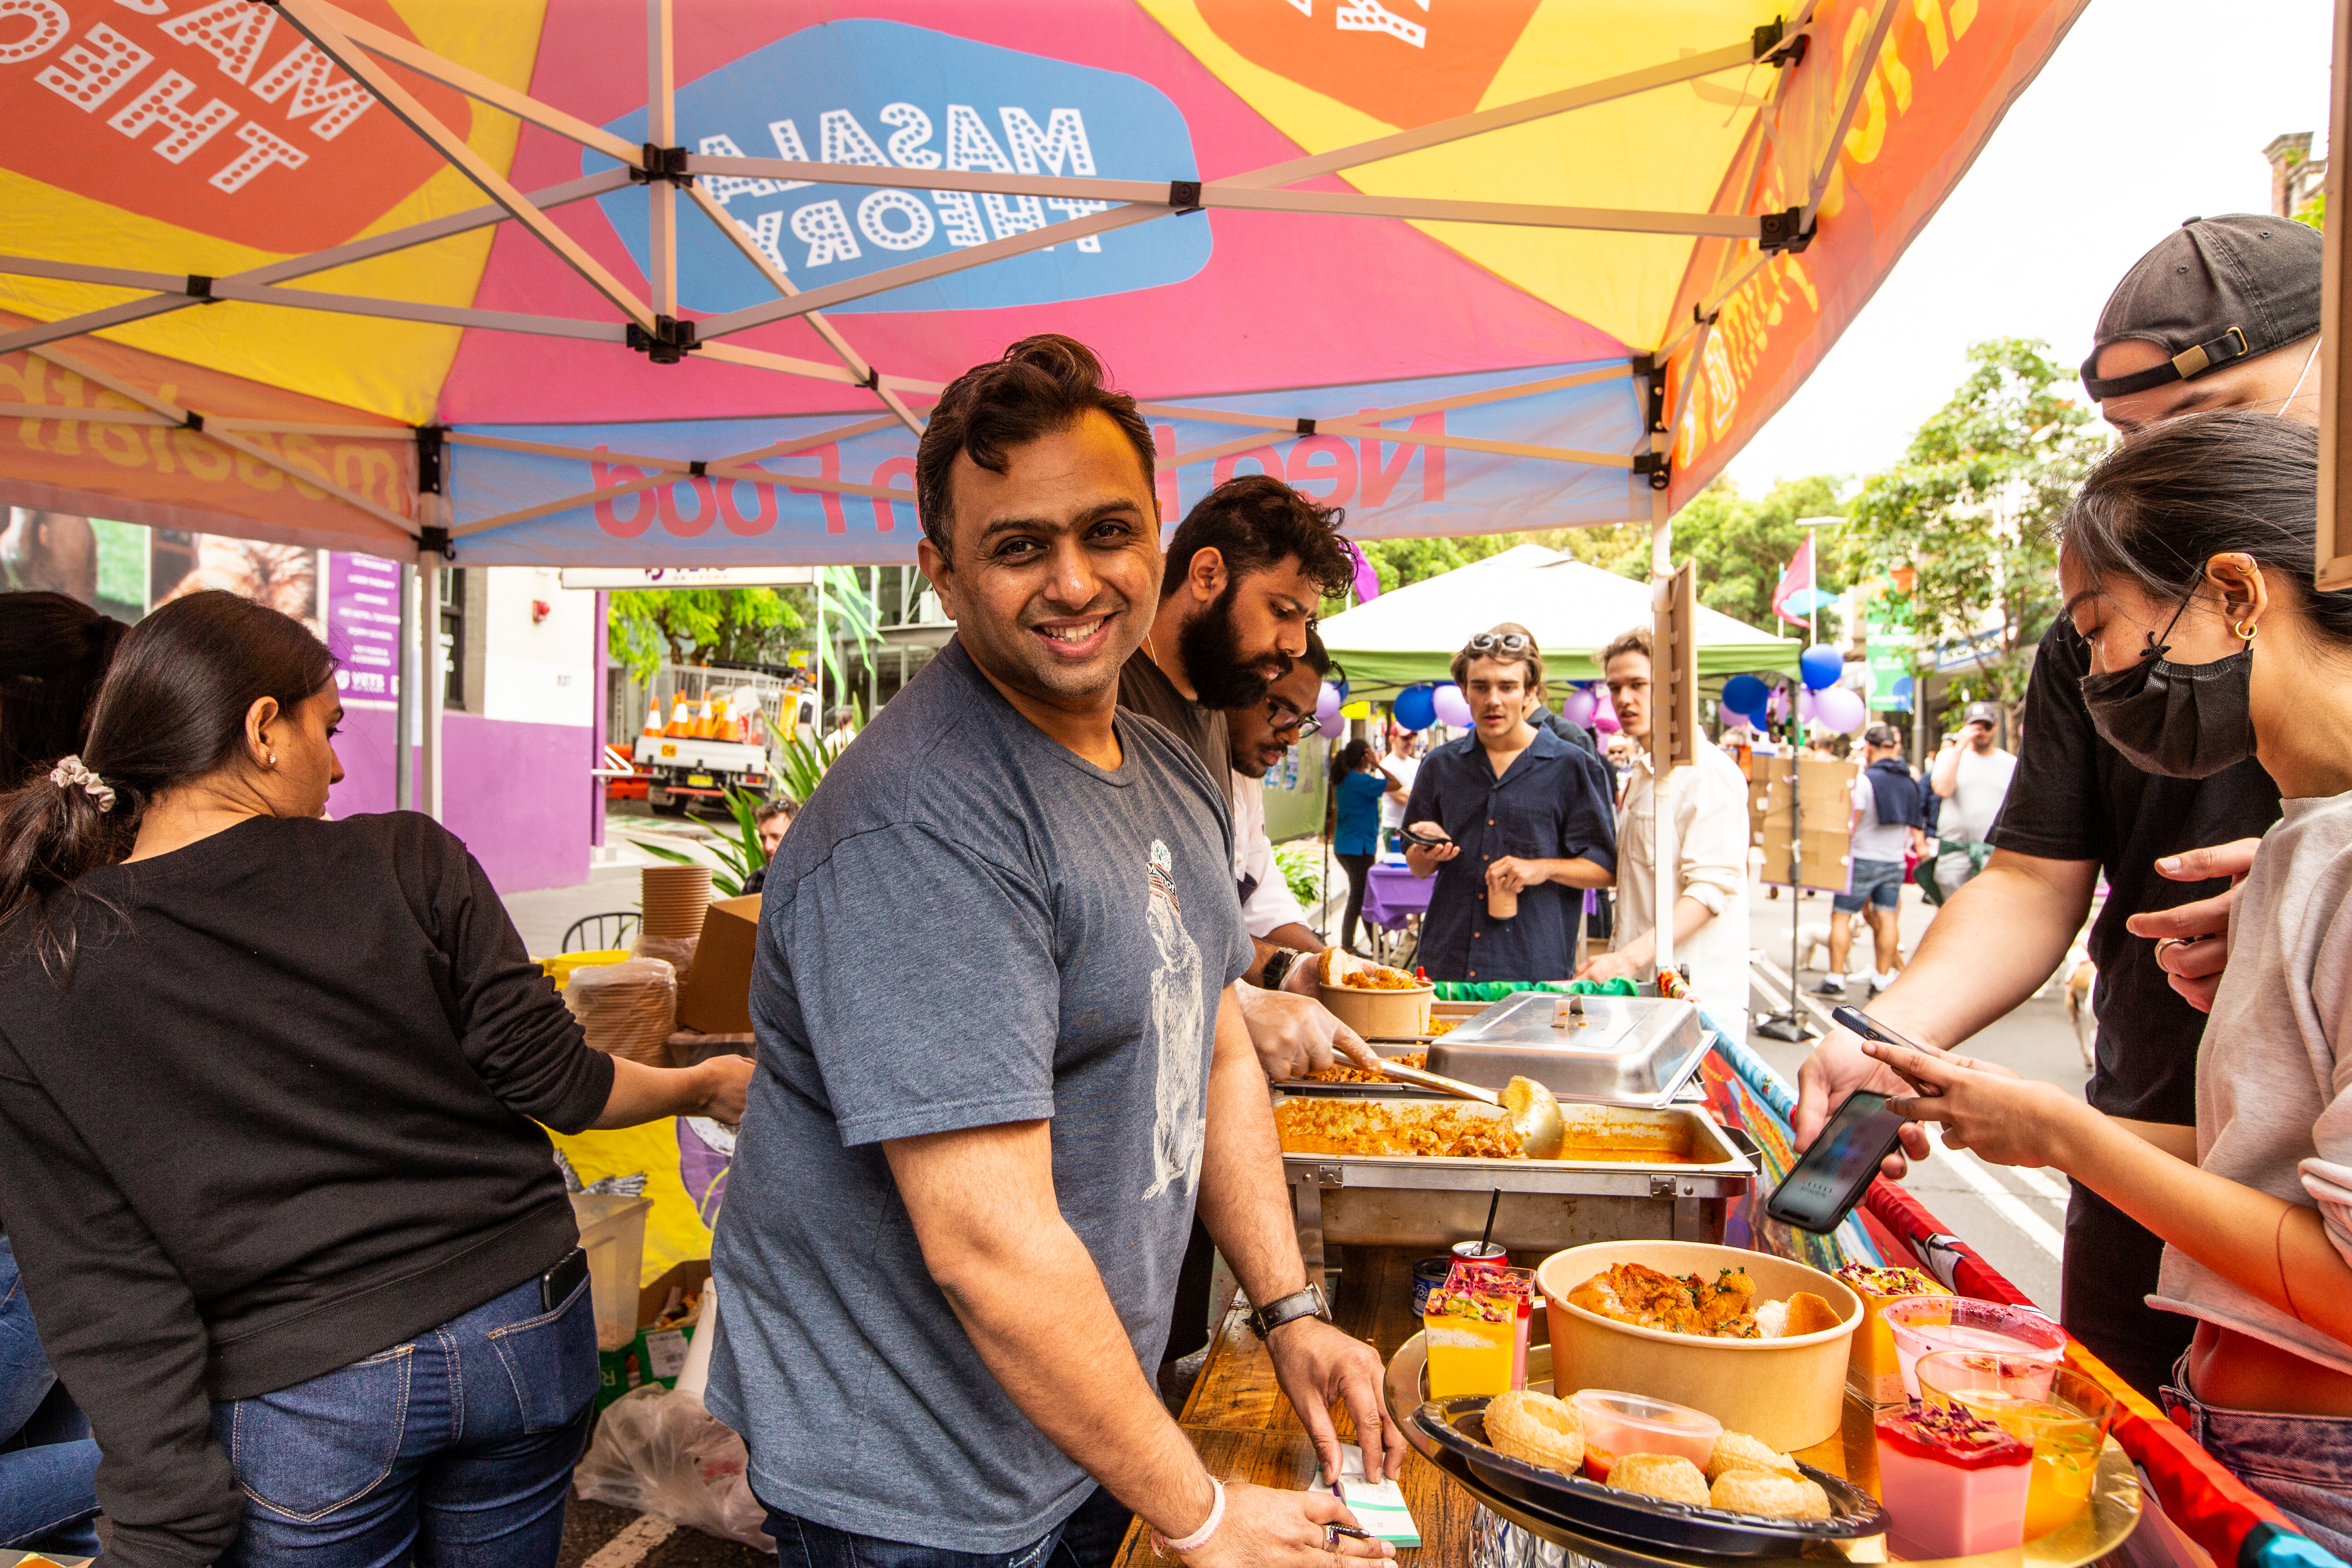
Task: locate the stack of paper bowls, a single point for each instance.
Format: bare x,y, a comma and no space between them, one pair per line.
626,1009
676,899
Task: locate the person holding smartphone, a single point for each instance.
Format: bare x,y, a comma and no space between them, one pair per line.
1507,818
269,1094
2187,563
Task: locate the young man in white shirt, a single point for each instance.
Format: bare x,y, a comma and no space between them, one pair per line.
1709,801
1972,776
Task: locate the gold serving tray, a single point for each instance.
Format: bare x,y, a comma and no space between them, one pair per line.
2113,1515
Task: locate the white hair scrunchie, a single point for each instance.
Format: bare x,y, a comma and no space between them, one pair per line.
70,771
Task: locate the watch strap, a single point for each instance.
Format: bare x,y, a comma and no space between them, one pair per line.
1307,1303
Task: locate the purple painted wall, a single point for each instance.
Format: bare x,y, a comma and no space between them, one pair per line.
512,791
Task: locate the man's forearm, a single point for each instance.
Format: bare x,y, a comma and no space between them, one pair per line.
1944,777
997,1246
1244,1202
1577,872
1990,945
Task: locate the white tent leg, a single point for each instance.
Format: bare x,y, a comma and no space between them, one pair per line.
403,746
661,130
1661,828
433,679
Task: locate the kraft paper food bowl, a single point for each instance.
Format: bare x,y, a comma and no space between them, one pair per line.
1787,1392
1380,1013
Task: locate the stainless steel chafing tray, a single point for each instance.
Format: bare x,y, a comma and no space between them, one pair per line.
1612,1051
1434,1201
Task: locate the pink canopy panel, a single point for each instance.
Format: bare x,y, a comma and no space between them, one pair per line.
597,282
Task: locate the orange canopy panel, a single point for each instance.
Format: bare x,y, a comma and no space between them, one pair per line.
610,282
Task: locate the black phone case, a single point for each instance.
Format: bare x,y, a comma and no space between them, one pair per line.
1846,1203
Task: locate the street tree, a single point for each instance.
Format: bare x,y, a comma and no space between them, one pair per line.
651,627
1963,526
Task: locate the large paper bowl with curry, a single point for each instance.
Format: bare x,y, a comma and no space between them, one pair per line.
1376,1001
1788,1391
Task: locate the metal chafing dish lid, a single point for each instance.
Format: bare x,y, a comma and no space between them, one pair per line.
1610,1051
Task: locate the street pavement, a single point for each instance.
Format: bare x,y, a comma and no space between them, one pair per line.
2015,1218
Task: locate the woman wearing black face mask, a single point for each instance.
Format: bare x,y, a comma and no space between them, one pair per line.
2187,565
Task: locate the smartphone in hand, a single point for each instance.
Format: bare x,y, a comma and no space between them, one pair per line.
1869,1029
1836,1171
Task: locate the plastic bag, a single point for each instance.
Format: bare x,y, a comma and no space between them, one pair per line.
627,1009
678,951
659,1451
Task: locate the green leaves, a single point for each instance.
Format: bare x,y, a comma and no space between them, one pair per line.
684,625
1965,524
736,856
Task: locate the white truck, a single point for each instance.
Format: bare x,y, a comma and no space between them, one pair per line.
684,770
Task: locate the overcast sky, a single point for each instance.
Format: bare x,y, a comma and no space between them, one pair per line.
2150,111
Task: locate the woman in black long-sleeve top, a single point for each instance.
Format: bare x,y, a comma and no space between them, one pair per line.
267,1087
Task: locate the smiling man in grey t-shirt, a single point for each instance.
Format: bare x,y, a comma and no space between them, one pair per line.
1000,1063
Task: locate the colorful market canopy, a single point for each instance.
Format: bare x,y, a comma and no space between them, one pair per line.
1411,634
590,282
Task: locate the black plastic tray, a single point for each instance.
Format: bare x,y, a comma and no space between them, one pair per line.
1459,1425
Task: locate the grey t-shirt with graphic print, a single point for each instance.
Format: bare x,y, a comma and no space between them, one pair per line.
968,925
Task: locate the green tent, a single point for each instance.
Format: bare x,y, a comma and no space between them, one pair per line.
1574,609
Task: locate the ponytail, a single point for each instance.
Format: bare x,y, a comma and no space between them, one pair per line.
172,710
54,652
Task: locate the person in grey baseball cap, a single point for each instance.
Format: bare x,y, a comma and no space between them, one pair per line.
2223,312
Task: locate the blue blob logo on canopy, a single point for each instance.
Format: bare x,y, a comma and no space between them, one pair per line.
892,96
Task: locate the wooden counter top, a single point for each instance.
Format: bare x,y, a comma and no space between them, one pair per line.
1246,1431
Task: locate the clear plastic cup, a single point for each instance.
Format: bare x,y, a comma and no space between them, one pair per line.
1925,1325
2062,1414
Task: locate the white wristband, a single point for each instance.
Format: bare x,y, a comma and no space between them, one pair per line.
1200,1537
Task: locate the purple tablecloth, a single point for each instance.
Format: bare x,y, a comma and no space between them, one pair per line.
1392,893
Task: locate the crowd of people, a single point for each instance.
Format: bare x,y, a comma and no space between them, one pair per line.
272,1086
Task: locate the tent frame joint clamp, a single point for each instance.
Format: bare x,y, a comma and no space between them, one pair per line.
661,164
1184,195
431,539
1777,232
200,287
670,340
1774,47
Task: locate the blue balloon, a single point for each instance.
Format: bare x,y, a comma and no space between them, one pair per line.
1416,708
1745,694
1821,665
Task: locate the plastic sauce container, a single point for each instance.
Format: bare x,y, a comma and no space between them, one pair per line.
1621,1423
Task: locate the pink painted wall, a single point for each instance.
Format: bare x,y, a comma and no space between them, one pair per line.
518,793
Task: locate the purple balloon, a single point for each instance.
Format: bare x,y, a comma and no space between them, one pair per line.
1809,705
1577,706
1841,709
1452,708
1604,716
1327,705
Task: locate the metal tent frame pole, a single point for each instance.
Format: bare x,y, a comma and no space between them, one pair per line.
652,324
404,749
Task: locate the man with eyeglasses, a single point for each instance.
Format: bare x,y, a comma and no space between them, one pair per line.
1262,737
1513,822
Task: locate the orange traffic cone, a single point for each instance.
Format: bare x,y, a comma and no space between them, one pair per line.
681,724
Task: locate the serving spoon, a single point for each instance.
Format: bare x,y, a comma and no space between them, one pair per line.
1534,1111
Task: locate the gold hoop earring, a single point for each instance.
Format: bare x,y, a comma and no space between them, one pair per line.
2245,632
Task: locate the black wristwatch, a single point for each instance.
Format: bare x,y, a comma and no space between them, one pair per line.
1278,965
1307,1303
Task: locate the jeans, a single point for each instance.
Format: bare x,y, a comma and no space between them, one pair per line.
1089,1538
48,1465
2301,1464
1876,882
456,1448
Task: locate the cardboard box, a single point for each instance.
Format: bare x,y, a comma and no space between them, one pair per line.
715,997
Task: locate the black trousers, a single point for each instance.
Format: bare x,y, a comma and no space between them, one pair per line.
1358,868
